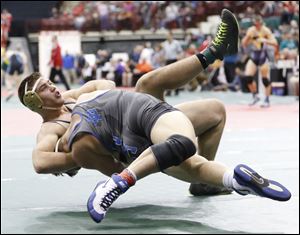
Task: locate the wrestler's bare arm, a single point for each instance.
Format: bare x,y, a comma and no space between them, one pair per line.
45,160
247,38
89,87
98,157
270,38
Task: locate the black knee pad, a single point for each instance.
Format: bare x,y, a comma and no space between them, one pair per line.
249,79
173,151
266,82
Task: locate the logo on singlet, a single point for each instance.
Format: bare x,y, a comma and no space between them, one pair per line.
126,149
93,116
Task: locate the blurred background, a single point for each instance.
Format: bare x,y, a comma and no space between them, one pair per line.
123,40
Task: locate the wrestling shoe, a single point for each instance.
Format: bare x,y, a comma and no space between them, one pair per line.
105,193
254,101
265,104
247,181
227,37
200,189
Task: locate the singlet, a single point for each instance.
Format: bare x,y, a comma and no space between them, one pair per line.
120,120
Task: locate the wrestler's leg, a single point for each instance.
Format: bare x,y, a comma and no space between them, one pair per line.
178,74
265,74
250,71
208,118
173,144
244,180
169,77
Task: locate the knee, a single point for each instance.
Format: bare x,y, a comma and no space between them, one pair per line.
144,83
173,151
249,79
266,81
147,82
219,111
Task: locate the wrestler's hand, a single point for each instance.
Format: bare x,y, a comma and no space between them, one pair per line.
71,172
63,144
262,40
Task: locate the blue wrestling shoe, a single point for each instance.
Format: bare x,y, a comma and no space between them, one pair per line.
251,182
105,193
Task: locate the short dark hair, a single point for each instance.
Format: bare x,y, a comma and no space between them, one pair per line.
30,80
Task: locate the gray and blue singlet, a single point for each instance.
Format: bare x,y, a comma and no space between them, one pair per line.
120,120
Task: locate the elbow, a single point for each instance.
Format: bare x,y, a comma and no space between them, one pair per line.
37,164
38,169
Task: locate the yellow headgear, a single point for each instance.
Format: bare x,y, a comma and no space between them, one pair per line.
31,99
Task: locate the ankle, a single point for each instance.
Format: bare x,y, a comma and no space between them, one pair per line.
206,57
228,179
267,99
128,176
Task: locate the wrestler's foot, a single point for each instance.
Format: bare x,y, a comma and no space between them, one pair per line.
199,189
247,181
254,101
266,103
226,40
104,195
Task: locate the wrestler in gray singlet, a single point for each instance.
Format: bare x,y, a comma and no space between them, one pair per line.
120,120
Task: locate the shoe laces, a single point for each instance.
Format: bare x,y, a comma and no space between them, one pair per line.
110,197
221,34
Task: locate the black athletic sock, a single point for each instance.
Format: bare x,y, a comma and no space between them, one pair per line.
206,58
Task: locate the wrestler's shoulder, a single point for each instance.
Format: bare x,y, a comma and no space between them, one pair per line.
51,128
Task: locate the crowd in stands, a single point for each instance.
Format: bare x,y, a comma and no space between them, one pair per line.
148,56
134,15
130,15
152,15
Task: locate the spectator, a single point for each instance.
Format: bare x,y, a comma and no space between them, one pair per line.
102,57
119,70
6,19
103,11
229,67
147,52
128,74
173,51
288,47
289,9
172,12
15,69
80,65
4,65
88,73
140,69
158,59
135,55
56,63
69,68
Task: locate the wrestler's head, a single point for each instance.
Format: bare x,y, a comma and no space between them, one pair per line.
38,94
258,21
